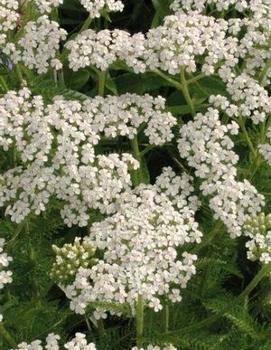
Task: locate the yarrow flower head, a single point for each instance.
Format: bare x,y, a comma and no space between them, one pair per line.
206,144
139,245
56,144
5,275
103,48
258,229
37,49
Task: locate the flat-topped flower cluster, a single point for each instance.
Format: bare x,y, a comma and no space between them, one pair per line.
64,164
140,245
205,142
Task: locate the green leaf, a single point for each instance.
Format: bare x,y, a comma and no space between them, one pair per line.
76,80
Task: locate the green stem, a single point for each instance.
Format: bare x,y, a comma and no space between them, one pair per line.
256,280
249,142
195,79
139,321
101,82
265,71
6,335
19,74
86,24
138,176
171,81
166,319
4,84
186,93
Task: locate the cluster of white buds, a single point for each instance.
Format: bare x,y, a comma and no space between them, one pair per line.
38,47
95,7
79,342
46,6
140,246
258,229
156,347
5,275
249,99
103,48
183,38
205,143
69,259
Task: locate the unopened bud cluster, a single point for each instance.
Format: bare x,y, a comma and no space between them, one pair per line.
258,229
69,259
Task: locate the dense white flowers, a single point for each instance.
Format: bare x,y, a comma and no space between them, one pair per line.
79,342
95,7
103,48
56,144
183,38
5,275
249,99
8,15
205,143
139,245
46,6
123,115
37,49
258,229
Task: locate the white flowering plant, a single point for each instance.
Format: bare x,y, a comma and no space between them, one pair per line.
135,165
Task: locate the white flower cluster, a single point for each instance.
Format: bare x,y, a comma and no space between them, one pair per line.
46,6
139,245
249,99
156,347
57,142
123,115
8,16
37,49
183,38
205,143
56,146
5,275
178,42
95,7
52,343
103,48
258,229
